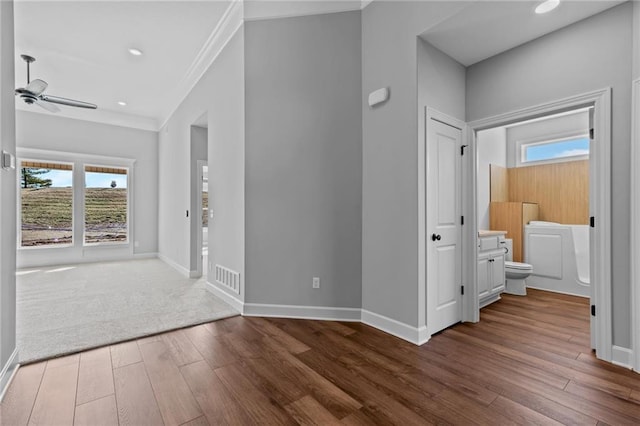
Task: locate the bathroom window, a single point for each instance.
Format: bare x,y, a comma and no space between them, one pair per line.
575,148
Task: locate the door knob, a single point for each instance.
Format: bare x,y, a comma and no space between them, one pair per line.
435,237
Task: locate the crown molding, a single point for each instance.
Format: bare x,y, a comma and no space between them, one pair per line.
264,10
102,116
230,22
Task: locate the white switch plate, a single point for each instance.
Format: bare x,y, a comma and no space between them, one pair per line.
8,161
316,282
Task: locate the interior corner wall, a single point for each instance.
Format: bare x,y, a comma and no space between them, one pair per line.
390,148
61,134
636,39
7,195
589,55
198,149
491,149
220,94
304,160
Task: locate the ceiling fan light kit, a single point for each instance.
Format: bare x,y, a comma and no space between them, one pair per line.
33,93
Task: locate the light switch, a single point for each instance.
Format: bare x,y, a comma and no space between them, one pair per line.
8,161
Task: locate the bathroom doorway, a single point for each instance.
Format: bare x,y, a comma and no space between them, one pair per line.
517,155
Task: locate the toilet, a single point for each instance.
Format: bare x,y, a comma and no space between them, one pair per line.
515,272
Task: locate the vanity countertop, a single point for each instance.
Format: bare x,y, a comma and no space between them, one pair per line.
487,233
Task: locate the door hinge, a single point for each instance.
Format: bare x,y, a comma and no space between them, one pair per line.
593,310
592,134
461,220
592,222
462,290
462,147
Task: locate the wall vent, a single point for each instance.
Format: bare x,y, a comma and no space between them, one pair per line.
228,278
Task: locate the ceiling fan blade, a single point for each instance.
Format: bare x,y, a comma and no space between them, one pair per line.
36,87
68,102
48,106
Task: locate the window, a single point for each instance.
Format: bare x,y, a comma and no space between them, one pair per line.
46,200
574,148
105,205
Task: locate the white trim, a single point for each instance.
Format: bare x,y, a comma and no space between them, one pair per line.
149,255
635,228
184,271
235,303
622,357
227,26
336,7
600,198
325,313
8,373
415,335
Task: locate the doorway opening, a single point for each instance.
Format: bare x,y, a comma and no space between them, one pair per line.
543,238
199,199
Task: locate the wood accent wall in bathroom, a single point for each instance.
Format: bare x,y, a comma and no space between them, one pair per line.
560,189
511,217
498,183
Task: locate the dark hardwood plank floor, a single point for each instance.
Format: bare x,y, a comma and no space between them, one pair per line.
526,362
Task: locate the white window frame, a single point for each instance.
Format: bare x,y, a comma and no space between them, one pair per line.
561,137
84,225
78,249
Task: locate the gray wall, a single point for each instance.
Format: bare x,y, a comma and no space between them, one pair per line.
7,191
304,160
390,167
199,142
491,148
220,95
589,55
636,40
54,133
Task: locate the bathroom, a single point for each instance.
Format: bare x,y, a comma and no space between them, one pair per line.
533,201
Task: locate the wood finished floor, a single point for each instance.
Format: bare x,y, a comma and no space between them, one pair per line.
527,362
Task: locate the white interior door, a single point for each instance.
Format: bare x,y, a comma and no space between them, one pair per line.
444,236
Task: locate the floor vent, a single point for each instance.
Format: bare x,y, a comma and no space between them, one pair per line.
228,278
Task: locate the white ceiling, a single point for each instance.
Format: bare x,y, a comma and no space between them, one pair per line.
81,46
81,51
485,28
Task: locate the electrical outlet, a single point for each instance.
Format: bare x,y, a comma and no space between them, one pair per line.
316,282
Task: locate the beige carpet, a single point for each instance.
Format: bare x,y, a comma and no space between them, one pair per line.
66,309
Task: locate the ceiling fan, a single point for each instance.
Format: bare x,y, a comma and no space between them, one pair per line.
34,93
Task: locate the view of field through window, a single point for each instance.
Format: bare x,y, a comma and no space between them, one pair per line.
47,198
46,203
105,205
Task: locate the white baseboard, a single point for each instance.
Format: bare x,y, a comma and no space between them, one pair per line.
622,357
302,312
415,335
236,304
152,255
184,271
8,372
195,274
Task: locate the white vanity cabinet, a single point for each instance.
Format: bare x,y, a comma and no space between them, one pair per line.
491,257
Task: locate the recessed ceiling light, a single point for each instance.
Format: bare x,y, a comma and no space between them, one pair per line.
121,103
547,6
135,52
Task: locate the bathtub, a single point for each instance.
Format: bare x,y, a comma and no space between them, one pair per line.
559,255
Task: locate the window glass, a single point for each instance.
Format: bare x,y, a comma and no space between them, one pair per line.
105,205
567,148
46,202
